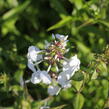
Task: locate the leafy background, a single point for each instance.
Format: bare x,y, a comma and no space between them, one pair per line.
31,22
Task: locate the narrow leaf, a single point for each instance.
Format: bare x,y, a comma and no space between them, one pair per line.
79,101
61,23
59,107
15,11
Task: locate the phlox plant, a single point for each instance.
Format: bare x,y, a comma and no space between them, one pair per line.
53,55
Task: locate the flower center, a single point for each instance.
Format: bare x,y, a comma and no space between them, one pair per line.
55,52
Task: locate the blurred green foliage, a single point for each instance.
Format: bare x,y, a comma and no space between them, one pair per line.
31,22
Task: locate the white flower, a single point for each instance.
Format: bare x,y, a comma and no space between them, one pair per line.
65,44
66,84
53,90
71,66
31,65
75,62
61,37
53,36
63,80
55,51
41,76
33,54
36,77
45,77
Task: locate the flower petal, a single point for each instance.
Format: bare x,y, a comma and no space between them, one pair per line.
45,77
53,36
31,66
71,66
63,79
36,77
33,54
66,84
74,61
53,90
61,37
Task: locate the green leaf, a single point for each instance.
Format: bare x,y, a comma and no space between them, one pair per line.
6,107
79,101
78,76
16,88
15,11
94,75
82,47
61,23
37,104
9,27
77,84
102,68
25,104
78,3
59,107
40,103
105,23
18,74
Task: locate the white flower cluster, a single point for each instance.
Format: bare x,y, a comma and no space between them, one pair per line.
54,56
